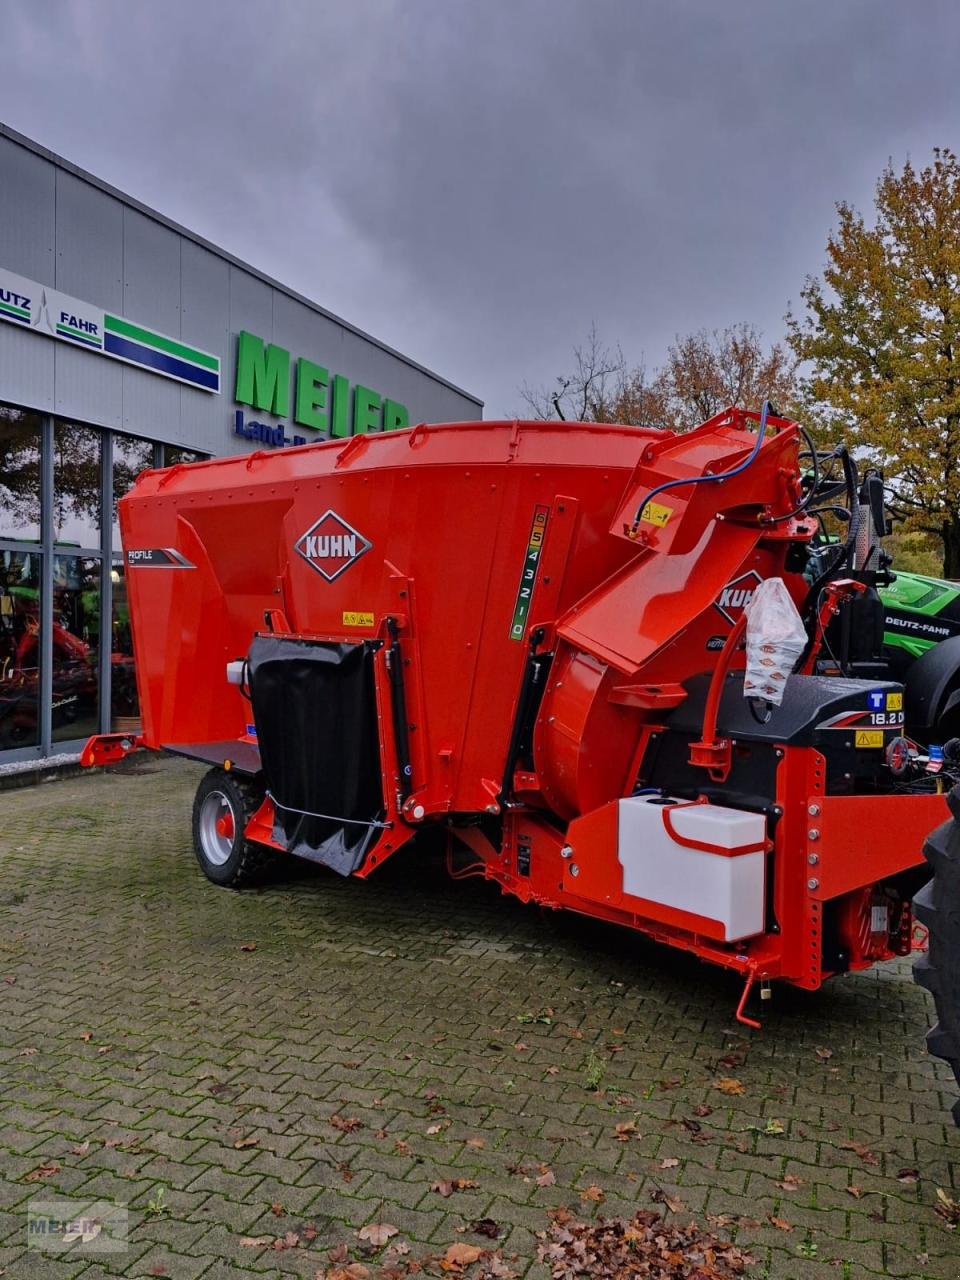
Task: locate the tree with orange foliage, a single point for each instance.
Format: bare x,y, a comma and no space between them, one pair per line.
882,337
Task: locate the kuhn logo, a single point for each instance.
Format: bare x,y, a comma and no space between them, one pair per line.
331,545
736,595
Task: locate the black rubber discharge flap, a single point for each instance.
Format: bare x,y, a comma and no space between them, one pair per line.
314,706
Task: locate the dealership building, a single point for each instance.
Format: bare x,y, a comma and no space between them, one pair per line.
127,342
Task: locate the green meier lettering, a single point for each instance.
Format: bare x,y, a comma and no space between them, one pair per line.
320,402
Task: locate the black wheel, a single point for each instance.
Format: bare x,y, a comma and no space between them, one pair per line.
222,807
937,906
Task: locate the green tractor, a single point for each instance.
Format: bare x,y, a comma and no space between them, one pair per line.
921,643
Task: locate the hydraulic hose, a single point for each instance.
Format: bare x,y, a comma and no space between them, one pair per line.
722,475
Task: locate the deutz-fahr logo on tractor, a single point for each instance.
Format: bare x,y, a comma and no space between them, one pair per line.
736,595
331,545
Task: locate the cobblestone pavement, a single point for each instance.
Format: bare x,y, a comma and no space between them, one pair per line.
152,1057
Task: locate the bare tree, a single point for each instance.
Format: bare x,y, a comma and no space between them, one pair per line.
703,374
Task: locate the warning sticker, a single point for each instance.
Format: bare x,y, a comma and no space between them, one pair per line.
655,513
868,738
894,701
351,619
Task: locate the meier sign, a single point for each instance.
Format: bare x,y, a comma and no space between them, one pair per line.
320,401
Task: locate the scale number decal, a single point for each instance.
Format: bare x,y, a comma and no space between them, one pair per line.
528,577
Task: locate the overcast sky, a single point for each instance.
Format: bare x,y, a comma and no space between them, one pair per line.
476,181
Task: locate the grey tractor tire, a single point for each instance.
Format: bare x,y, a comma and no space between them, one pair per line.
225,857
937,906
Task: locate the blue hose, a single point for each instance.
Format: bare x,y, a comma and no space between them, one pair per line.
723,475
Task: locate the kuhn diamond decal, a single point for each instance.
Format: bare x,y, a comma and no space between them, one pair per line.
331,545
736,595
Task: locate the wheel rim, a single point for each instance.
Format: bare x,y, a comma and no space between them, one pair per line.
218,825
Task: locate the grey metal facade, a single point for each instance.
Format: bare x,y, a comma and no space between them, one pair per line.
78,424
67,230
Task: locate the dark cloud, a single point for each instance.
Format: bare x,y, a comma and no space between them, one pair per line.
475,181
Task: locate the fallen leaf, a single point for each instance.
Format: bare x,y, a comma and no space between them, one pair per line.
245,1142
486,1227
41,1172
594,1193
669,1162
624,1131
377,1233
547,1178
729,1085
460,1255
856,1192
355,1271
790,1182
27,1053
780,1223
659,1196
823,1053
862,1150
396,1250
81,1150
402,1148
248,946
288,1241
277,1210
255,1242
947,1208
447,1186
479,1143
346,1124
703,1110
774,1128
553,1071
339,1253
86,1035
379,1133
10,980
908,1176
430,1094
434,1129
521,1047
158,1269
310,1232
105,1048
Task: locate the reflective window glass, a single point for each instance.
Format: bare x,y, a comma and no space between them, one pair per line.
76,485
19,474
172,453
130,457
125,708
19,649
76,645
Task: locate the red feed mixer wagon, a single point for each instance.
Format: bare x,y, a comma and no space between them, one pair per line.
531,634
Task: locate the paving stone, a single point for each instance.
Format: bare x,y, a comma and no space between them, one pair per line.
389,1000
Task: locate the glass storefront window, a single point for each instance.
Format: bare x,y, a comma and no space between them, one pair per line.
19,475
130,457
76,485
173,454
76,646
51,575
19,649
124,706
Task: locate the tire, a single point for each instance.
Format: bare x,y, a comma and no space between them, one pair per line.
937,906
222,807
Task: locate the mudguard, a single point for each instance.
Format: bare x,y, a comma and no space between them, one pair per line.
932,689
